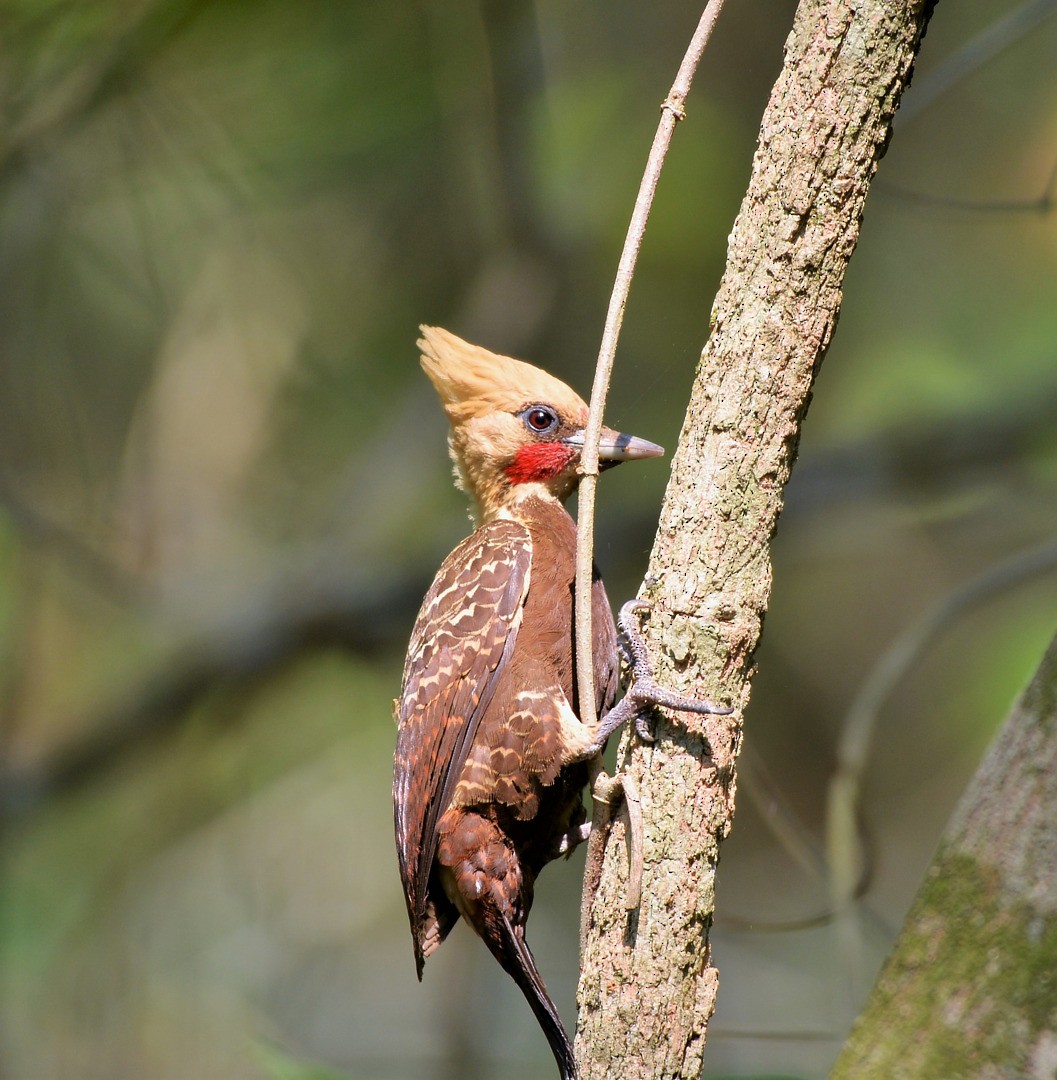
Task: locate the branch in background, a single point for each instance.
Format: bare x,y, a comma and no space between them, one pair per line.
984,47
91,83
922,461
970,989
966,61
845,789
40,531
259,645
1041,205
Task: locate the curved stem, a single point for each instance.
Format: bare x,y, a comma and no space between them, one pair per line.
671,113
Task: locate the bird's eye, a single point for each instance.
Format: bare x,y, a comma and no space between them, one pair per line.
539,419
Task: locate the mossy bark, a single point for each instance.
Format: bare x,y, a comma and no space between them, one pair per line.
648,986
971,987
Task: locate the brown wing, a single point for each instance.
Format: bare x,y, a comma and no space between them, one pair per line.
607,659
463,637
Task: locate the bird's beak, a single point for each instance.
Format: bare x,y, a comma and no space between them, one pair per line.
615,447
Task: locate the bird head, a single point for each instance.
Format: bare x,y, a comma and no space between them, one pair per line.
515,430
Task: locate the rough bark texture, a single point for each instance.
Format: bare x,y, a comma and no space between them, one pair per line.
648,986
971,988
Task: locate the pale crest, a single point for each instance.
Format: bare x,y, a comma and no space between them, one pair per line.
472,381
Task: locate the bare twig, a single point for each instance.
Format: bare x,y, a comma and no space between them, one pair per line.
1004,32
1042,204
985,46
671,113
42,532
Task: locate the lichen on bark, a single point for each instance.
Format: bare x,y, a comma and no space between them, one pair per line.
647,984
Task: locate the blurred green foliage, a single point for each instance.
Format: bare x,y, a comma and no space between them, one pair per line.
223,488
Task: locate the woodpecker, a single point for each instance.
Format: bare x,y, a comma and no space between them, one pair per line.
491,756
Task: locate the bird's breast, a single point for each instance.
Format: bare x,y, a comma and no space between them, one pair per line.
526,734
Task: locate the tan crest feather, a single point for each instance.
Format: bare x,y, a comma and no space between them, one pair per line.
472,381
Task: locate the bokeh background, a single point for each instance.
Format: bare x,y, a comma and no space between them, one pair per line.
224,489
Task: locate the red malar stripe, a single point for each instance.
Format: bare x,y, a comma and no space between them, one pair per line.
540,461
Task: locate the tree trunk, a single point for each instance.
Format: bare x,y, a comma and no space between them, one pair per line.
647,986
971,988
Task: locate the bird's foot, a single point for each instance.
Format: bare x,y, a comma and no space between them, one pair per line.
642,693
644,690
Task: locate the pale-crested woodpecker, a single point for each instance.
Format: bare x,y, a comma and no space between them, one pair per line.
492,756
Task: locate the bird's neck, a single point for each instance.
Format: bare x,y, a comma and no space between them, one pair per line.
526,503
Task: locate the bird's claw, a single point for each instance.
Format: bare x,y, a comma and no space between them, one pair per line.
644,690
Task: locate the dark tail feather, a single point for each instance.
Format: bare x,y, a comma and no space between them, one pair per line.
517,960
